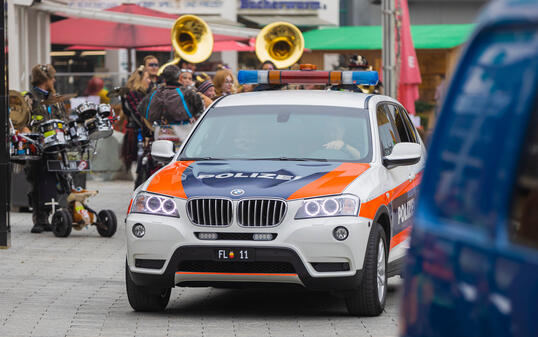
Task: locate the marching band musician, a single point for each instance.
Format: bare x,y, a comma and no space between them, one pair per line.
44,183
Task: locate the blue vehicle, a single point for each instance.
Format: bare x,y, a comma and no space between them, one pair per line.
472,268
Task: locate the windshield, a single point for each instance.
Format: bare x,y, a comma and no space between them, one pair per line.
279,132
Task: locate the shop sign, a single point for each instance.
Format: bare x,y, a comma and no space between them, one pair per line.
283,5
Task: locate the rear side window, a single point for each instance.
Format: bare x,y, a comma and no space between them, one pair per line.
387,134
523,225
400,120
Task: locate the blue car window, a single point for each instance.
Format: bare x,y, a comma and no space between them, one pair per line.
472,155
523,223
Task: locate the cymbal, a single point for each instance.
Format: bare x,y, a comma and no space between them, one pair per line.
19,110
58,99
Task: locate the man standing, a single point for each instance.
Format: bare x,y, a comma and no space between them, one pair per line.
171,103
44,183
151,65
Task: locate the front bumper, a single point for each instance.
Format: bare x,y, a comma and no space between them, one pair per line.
170,244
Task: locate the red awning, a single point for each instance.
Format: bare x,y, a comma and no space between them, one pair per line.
90,32
218,46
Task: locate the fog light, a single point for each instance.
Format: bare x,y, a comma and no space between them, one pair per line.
139,230
262,237
340,233
207,236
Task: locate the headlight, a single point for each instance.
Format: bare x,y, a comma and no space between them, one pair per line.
343,205
154,204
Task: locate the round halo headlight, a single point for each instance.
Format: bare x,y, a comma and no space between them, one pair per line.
169,206
312,208
330,206
153,204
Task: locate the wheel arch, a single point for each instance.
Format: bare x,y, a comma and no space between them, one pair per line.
382,217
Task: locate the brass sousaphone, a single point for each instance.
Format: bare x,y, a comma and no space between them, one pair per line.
192,40
281,43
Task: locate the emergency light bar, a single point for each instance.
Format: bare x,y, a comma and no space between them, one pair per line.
307,76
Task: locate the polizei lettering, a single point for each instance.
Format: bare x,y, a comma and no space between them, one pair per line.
253,175
406,211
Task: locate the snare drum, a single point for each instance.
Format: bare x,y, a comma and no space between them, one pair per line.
87,110
54,139
25,146
105,110
78,134
99,128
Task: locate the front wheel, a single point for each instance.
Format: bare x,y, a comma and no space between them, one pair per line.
143,298
369,299
62,223
106,223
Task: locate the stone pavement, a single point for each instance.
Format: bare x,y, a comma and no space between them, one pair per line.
75,287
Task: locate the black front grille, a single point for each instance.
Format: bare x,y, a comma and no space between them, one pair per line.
260,212
149,264
210,212
237,267
236,236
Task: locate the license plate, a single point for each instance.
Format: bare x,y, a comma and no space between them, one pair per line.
234,254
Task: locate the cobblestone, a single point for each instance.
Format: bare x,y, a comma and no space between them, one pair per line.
75,287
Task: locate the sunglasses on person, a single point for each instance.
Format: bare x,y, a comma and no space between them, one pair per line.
153,65
186,71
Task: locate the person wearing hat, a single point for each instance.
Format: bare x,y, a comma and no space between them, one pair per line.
205,88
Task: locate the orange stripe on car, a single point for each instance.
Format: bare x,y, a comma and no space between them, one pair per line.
400,237
369,208
333,182
168,180
235,274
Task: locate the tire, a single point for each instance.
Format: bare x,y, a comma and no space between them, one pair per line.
369,298
106,223
143,298
62,223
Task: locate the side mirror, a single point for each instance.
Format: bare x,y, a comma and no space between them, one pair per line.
403,154
162,150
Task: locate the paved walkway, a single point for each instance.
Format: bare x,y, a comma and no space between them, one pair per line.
75,287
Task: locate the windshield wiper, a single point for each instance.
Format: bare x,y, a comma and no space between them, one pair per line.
292,159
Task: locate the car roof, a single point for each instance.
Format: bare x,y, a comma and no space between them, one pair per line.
297,97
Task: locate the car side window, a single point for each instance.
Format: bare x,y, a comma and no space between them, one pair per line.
523,226
399,120
387,134
411,131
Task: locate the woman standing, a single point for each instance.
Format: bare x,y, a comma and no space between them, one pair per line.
137,86
225,83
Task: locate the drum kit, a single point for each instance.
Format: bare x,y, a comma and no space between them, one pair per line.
88,122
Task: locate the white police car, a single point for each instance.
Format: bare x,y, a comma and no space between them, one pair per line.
313,188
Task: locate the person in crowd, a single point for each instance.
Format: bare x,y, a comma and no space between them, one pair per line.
187,65
185,78
151,65
225,83
96,87
205,88
268,65
44,183
137,86
172,103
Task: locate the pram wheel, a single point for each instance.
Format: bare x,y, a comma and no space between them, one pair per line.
106,223
62,222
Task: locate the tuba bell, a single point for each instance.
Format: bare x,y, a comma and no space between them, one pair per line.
281,43
192,40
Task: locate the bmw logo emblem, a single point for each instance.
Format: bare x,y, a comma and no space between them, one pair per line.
237,192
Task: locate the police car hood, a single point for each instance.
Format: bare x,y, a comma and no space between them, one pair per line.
254,178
